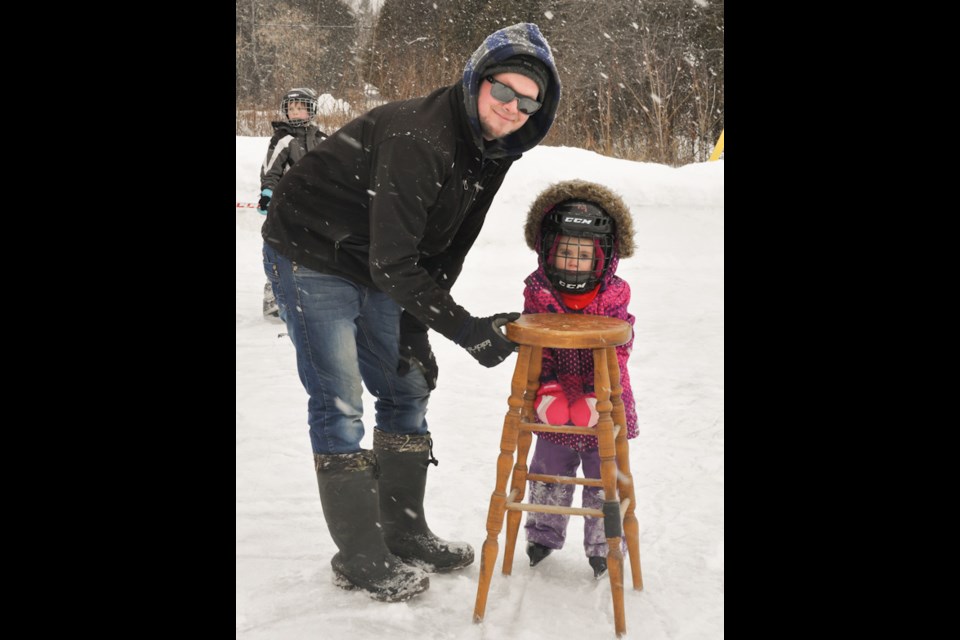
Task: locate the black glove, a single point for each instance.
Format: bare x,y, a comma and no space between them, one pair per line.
415,350
482,339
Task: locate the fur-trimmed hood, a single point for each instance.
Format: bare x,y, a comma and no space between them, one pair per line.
607,199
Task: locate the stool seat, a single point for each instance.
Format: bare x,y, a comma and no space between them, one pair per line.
569,331
534,333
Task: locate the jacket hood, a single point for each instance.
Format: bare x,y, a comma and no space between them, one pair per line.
523,38
607,199
282,126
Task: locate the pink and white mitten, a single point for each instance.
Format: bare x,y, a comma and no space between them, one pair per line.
583,411
551,404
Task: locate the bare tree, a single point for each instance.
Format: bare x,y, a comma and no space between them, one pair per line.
283,44
642,79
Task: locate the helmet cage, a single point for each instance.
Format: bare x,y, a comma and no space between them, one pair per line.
306,96
577,219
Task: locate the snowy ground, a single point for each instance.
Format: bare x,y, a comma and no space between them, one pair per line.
283,549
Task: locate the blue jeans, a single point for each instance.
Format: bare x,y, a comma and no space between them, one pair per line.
345,333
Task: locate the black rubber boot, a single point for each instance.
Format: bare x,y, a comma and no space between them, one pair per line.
403,461
348,493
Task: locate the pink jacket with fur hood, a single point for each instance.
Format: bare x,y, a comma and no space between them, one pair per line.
573,368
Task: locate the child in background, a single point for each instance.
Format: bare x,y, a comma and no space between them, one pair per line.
293,137
579,230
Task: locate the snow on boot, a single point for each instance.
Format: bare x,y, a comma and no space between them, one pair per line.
403,461
270,309
348,494
537,552
599,565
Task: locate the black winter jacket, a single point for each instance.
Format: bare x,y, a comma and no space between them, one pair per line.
395,199
287,147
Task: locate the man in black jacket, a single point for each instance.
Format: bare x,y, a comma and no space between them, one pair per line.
364,238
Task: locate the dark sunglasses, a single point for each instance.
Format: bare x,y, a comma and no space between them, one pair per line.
503,93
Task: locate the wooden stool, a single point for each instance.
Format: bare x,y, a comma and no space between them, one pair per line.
533,332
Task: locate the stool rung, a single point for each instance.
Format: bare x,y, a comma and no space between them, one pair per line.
589,482
572,511
549,508
549,428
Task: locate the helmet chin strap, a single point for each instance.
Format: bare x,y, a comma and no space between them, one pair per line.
572,281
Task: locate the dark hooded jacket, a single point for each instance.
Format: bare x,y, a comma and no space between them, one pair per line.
573,368
395,199
287,147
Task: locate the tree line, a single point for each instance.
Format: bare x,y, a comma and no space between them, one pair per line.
642,79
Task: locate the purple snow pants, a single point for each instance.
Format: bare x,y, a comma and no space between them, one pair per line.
550,529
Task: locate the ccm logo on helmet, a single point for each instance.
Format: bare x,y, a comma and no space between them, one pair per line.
578,220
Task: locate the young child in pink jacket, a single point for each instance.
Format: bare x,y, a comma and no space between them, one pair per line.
580,230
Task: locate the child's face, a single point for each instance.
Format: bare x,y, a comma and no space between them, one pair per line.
573,254
297,111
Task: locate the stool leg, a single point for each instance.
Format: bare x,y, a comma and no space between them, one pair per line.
498,501
608,475
631,528
518,483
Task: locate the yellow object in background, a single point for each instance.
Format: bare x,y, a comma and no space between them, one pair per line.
717,150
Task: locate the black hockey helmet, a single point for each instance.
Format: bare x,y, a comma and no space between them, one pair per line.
306,96
576,219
